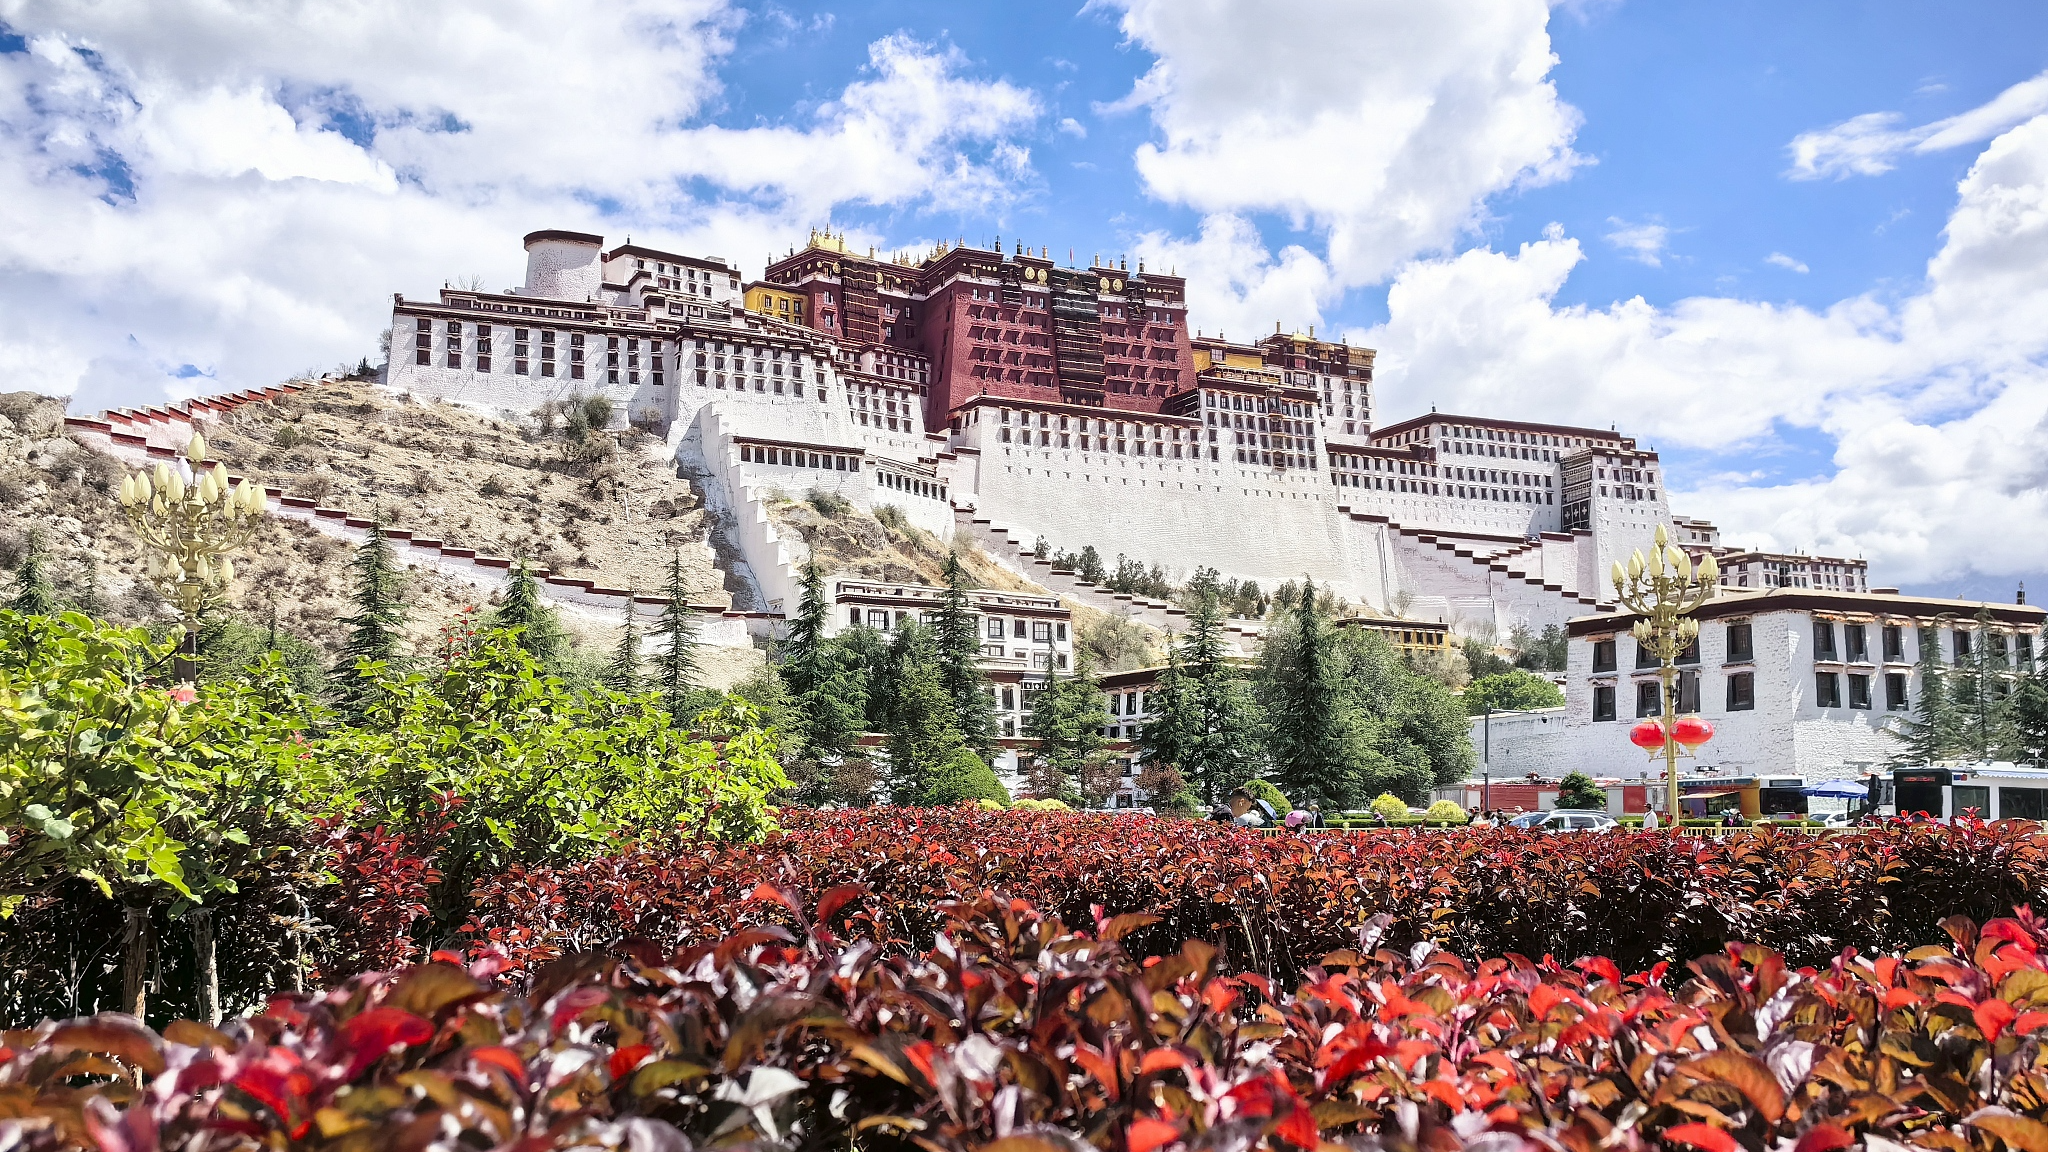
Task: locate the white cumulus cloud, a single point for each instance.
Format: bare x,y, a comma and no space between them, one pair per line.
1870,144
1937,402
1786,262
1642,243
198,195
1383,131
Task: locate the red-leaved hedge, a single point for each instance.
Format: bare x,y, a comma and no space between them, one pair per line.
1276,902
1014,1034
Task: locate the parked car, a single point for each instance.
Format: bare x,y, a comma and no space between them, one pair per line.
1564,820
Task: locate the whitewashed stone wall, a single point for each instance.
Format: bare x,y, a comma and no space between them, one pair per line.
1785,732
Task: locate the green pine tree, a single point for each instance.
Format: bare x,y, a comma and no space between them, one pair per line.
1313,725
1980,692
622,672
89,601
1067,722
1931,732
376,627
34,595
956,633
538,626
1416,733
922,733
1210,730
2030,704
828,683
675,666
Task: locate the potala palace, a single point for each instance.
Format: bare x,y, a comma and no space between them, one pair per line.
995,395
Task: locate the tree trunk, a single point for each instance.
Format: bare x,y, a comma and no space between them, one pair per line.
206,966
136,933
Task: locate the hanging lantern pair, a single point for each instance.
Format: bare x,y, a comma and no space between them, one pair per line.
1690,731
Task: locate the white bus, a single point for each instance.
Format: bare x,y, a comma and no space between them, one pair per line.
1944,791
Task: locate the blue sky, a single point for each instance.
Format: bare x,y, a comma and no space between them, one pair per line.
1590,213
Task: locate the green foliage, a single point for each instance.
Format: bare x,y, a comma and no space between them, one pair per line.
828,688
965,776
923,736
107,779
1483,661
2030,706
1979,693
622,671
229,644
1539,652
1264,790
675,666
506,766
375,626
1313,725
830,505
1206,723
1577,790
33,593
1513,689
537,626
1445,812
1067,721
1929,734
956,635
1046,805
1389,805
1088,565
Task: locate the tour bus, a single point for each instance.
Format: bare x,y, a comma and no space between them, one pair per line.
1944,791
1755,797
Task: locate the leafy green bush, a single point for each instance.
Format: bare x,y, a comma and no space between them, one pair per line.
1391,806
483,753
965,776
1513,689
1264,790
1030,805
1445,812
1577,791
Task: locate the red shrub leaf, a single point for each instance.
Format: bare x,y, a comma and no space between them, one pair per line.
1146,1134
1704,1136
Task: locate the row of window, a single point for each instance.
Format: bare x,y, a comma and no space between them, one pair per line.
1741,693
1854,647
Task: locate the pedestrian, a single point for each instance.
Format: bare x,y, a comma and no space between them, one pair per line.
1297,819
1315,816
1649,819
1247,810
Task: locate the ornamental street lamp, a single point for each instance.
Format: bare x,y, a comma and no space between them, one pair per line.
1662,590
191,518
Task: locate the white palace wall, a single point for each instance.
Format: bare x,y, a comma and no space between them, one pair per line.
1262,525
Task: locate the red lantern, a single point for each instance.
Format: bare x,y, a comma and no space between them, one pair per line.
1692,731
1648,735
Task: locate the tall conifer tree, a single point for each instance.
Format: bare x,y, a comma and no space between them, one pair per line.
622,673
827,683
1929,734
376,626
1980,690
1209,729
1067,721
923,735
33,593
675,666
1312,721
539,627
956,634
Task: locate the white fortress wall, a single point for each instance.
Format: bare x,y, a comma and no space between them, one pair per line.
1268,526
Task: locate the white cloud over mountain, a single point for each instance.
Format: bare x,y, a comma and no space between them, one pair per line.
231,188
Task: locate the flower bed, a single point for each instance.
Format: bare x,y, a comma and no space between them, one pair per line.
1276,902
1015,1034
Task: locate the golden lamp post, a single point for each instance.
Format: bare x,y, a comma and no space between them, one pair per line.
191,518
1662,590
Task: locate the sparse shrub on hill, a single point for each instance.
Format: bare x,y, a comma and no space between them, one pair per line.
830,505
